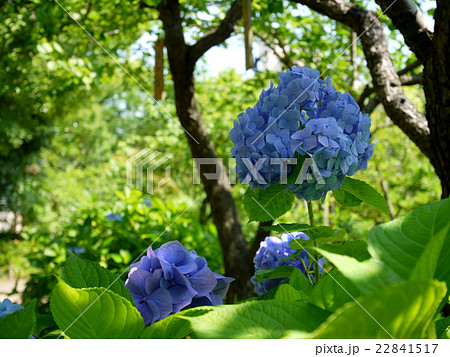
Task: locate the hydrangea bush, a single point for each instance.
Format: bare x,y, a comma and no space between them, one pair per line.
172,278
303,117
275,252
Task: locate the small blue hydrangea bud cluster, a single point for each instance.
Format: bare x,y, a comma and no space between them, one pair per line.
271,253
114,217
7,307
303,115
172,278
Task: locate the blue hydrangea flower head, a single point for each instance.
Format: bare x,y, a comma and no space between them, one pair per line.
172,278
264,131
114,217
7,307
77,250
274,252
304,116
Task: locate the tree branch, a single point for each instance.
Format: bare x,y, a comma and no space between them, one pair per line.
405,80
283,57
373,103
385,79
410,21
220,33
409,67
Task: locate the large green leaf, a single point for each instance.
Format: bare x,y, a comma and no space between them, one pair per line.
354,191
416,246
333,291
286,292
355,248
257,319
265,205
400,311
80,273
173,326
19,324
94,313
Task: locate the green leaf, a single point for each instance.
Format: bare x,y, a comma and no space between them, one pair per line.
287,227
416,246
363,192
94,313
174,326
286,292
43,322
283,271
356,249
333,291
345,198
19,324
443,328
300,282
265,205
368,276
318,232
257,319
80,273
404,311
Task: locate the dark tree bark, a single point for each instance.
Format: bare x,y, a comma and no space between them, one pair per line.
182,59
411,23
437,93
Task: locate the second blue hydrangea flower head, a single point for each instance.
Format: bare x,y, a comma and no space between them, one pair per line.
172,278
274,252
303,117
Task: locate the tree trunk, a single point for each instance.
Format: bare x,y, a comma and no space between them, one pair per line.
182,64
437,92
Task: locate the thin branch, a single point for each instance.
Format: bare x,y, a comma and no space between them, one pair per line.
284,57
409,67
219,34
381,127
384,188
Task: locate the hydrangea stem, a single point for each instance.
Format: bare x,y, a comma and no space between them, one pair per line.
315,254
